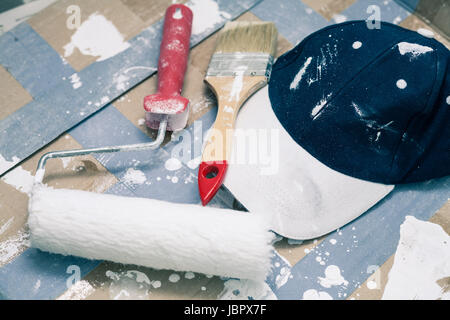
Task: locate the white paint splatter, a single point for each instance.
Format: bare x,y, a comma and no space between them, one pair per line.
422,258
20,179
401,84
333,277
189,275
141,122
134,176
357,109
96,37
371,285
356,44
206,15
246,290
66,161
426,33
37,285
121,81
294,242
174,278
412,49
228,109
156,284
5,226
174,179
448,100
104,100
313,294
172,164
298,77
177,14
283,277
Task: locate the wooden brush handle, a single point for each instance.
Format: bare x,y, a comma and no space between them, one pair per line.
230,100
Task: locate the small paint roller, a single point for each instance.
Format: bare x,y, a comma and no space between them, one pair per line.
149,232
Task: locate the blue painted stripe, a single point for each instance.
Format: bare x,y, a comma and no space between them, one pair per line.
367,241
49,115
294,19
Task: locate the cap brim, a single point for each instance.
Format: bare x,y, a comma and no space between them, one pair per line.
302,197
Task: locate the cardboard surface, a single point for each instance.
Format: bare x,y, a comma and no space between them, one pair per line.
120,122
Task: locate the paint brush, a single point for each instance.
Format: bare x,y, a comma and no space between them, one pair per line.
240,65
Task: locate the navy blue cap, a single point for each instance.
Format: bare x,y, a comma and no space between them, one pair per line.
372,104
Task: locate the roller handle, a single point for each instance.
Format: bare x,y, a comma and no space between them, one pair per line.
174,50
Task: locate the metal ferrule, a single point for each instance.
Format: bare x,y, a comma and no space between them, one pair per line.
236,63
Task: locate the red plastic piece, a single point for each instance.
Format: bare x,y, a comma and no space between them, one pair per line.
210,178
173,58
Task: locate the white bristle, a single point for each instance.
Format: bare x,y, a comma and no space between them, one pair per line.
150,233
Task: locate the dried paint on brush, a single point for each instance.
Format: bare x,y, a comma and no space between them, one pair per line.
206,15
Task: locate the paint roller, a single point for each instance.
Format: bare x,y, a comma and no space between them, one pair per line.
150,232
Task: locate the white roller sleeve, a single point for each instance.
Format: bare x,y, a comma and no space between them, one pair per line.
150,233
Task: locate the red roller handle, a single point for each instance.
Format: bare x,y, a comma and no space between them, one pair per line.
174,50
